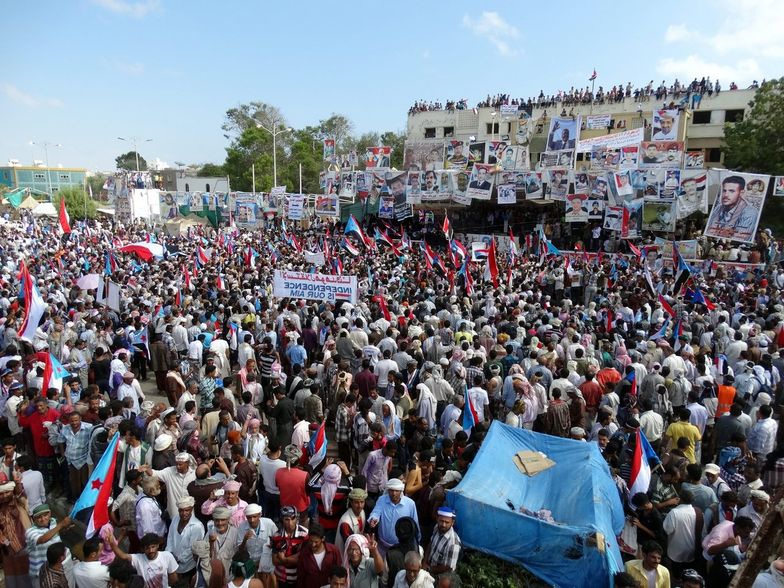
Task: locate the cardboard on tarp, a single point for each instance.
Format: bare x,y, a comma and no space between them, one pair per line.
532,462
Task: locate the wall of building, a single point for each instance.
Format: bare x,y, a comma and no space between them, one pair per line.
40,179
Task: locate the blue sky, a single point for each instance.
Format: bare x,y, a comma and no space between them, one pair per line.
83,72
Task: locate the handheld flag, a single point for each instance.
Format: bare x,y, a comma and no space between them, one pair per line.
65,220
610,319
349,246
492,264
662,333
447,227
352,226
631,377
34,306
98,490
146,251
640,477
666,306
317,446
593,76
470,416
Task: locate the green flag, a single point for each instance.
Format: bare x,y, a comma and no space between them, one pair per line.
15,197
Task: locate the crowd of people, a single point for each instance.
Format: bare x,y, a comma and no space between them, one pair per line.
223,482
676,92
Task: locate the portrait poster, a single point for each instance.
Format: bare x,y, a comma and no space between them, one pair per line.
430,185
666,154
622,182
323,179
507,194
665,125
396,185
693,193
563,134
347,185
476,152
778,187
414,189
386,207
444,184
353,158
694,160
629,157
645,182
576,208
581,183
329,150
423,154
378,185
456,155
631,222
506,177
495,151
246,209
605,158
548,160
481,183
460,181
599,186
195,202
557,184
327,205
515,157
378,157
613,216
738,206
669,184
658,216
595,208
168,204
363,182
332,184
533,186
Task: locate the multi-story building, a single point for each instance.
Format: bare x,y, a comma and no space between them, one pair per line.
42,180
174,180
702,129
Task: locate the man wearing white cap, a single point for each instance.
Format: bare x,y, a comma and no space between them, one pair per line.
183,531
176,478
390,507
756,508
128,390
255,534
444,549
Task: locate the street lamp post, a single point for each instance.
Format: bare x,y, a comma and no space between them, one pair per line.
46,145
274,130
135,141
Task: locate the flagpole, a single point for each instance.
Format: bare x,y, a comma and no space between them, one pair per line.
593,96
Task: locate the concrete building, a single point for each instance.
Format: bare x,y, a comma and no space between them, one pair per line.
703,127
42,180
174,180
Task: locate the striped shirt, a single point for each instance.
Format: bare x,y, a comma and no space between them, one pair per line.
289,545
444,549
77,445
37,551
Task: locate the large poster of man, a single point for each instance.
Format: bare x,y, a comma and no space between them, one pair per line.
481,183
514,157
665,125
507,194
396,184
378,157
576,211
668,154
430,185
658,216
456,154
444,184
670,184
495,150
631,222
693,193
557,185
329,150
476,152
563,133
424,154
327,205
414,188
533,186
738,206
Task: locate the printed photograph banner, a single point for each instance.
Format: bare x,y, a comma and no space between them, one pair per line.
557,184
533,186
595,208
309,286
553,159
669,184
495,151
597,121
363,182
600,186
645,182
195,202
332,183
563,134
430,186
581,183
778,187
507,194
329,150
444,185
481,184
414,189
688,248
456,155
693,193
515,157
460,181
666,154
738,206
476,152
327,205
353,158
386,207
576,208
605,158
622,185
296,206
631,223
665,125
613,217
378,157
347,184
246,210
694,160
423,154
629,157
169,207
628,138
658,216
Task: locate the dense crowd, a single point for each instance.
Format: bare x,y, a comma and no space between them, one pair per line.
222,484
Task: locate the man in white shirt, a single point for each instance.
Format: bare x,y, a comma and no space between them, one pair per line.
158,568
183,531
176,478
32,481
651,423
128,390
762,437
679,526
382,369
90,572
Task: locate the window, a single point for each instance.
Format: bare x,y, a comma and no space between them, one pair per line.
714,155
449,131
492,128
508,127
208,188
54,189
733,116
581,156
187,187
430,133
65,177
701,117
39,176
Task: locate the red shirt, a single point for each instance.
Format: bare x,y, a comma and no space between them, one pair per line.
592,392
35,422
291,483
365,380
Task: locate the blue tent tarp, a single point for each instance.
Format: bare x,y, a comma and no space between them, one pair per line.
578,490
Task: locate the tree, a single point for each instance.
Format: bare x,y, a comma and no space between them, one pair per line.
756,144
397,141
336,127
127,161
77,202
210,170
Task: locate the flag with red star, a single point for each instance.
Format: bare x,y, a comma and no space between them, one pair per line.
98,490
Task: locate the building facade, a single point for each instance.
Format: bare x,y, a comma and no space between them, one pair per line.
173,180
42,180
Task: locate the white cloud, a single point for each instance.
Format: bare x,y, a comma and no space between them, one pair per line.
747,44
21,97
135,9
131,69
495,29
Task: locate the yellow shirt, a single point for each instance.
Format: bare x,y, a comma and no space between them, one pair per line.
635,570
681,429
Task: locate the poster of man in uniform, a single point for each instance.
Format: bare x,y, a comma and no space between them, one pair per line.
658,216
456,155
667,154
694,160
629,157
563,133
514,157
424,154
670,184
595,208
605,158
327,205
557,184
576,211
481,183
329,150
738,206
414,188
476,152
378,157
533,186
386,207
622,184
693,193
507,194
665,125
613,216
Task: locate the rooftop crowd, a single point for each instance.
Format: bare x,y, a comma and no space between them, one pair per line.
216,483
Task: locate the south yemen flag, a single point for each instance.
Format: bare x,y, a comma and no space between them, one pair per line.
98,490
